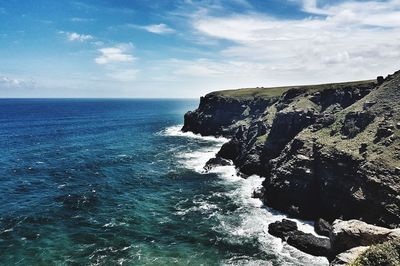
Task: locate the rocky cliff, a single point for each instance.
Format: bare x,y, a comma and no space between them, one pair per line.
327,151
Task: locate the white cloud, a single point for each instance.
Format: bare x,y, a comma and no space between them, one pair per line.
155,28
76,37
118,62
116,54
78,19
345,41
15,83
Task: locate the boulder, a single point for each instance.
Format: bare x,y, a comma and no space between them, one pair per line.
322,227
384,130
258,193
216,161
353,233
282,229
308,243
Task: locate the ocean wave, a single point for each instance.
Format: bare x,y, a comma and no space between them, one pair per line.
251,219
175,131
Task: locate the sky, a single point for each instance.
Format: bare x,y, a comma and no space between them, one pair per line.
187,48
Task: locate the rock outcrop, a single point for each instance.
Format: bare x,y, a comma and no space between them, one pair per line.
308,243
322,227
346,235
347,239
327,151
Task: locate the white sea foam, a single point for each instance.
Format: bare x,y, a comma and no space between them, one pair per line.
251,220
175,131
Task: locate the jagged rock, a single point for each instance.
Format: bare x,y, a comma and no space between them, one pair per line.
216,161
356,122
258,193
292,93
380,80
310,244
348,256
217,115
385,130
282,229
323,121
353,233
363,148
313,174
230,150
287,231
322,227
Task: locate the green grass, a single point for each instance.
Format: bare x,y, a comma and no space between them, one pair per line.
386,254
278,91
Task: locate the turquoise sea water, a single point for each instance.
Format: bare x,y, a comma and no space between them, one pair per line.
114,182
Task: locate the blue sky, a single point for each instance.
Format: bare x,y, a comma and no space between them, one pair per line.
186,48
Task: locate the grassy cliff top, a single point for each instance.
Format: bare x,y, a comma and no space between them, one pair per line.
278,91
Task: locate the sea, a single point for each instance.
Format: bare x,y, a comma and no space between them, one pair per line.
115,182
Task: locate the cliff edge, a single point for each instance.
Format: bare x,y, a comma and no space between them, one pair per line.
327,151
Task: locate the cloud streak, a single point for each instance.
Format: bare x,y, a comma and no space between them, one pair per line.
345,41
154,28
116,54
77,37
15,83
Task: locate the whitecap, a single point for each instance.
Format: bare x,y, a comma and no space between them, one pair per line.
175,131
251,219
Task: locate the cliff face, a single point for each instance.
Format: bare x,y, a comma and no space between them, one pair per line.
329,151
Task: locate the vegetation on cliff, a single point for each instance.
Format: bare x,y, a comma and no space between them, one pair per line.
327,151
386,254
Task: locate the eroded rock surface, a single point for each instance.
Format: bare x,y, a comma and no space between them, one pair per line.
328,151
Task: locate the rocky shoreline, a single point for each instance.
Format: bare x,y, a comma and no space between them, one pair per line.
328,151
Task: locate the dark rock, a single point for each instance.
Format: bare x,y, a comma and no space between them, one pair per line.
356,122
286,125
385,130
368,104
217,115
363,148
216,161
292,93
310,244
307,177
230,150
258,193
282,229
322,227
380,80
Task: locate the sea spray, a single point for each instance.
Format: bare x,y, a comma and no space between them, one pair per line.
249,222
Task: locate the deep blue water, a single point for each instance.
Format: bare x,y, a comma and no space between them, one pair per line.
107,182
